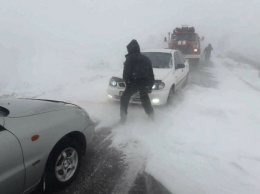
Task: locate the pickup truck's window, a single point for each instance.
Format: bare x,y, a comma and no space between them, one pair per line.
159,60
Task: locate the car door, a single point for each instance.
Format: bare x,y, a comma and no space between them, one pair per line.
183,71
12,171
178,72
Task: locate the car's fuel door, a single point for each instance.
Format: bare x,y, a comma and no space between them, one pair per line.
12,172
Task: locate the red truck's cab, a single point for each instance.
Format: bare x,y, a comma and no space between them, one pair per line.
187,41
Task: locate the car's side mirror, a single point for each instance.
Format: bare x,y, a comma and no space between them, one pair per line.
180,66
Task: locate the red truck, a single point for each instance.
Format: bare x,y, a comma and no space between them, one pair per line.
186,40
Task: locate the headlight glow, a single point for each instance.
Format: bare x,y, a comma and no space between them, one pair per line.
112,82
155,101
195,50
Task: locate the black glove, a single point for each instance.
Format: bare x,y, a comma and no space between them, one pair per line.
148,89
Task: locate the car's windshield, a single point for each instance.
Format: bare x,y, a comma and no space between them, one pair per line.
184,36
159,60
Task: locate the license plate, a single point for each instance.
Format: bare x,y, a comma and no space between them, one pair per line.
136,95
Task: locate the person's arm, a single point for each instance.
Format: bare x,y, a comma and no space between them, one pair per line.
151,74
127,71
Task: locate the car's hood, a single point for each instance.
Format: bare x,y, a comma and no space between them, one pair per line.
159,73
26,107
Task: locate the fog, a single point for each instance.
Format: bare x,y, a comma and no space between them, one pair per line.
207,142
47,43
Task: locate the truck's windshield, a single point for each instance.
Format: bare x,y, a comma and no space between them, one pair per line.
184,36
159,60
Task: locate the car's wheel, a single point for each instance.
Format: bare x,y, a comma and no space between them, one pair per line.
63,164
171,96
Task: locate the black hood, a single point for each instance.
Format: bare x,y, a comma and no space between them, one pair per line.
133,47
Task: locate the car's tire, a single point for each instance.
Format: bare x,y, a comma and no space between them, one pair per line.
63,164
171,96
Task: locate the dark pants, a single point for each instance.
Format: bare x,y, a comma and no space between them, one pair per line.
130,90
207,56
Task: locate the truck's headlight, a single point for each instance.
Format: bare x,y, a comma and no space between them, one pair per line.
195,50
158,85
112,82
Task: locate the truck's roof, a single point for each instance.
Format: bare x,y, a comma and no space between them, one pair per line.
158,51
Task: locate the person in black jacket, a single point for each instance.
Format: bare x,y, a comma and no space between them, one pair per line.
138,76
207,52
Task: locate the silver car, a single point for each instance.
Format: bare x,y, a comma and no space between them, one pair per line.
41,143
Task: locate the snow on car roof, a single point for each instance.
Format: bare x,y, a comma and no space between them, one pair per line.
159,50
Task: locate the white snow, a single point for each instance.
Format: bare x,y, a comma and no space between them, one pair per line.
207,142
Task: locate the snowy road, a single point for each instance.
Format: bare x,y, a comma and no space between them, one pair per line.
207,142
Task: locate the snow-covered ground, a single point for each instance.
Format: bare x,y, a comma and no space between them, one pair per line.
208,142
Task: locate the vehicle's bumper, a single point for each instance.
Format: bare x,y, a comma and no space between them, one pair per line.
157,97
192,56
89,131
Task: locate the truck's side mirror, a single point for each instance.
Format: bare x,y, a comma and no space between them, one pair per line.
165,39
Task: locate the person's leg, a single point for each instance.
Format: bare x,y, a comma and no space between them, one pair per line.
124,101
144,97
207,57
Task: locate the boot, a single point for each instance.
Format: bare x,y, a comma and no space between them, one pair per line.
122,118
